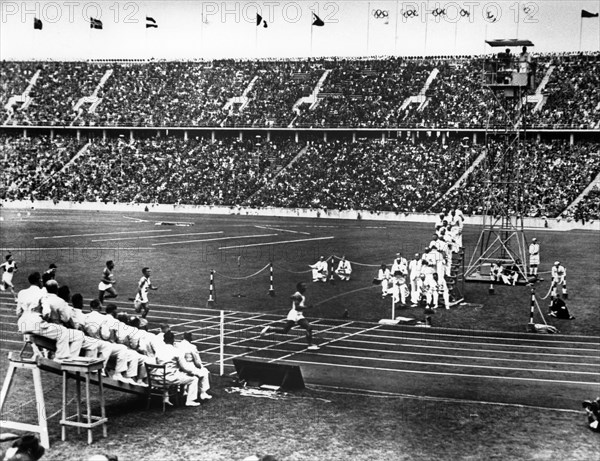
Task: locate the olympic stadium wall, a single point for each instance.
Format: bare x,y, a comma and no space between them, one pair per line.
529,223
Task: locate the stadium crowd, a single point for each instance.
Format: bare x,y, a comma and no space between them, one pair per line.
29,162
399,175
278,87
199,172
366,93
356,93
552,175
573,94
394,176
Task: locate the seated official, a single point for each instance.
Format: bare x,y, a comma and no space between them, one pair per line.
177,370
344,269
192,357
319,270
33,317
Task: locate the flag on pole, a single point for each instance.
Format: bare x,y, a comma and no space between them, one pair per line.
260,20
151,23
587,14
95,23
317,21
37,24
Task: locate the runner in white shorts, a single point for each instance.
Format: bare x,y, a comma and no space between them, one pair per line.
140,302
296,317
9,268
105,287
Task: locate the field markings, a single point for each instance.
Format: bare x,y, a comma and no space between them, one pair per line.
214,240
91,223
136,219
275,243
282,230
421,334
363,330
394,361
78,248
442,373
95,235
158,236
445,356
329,342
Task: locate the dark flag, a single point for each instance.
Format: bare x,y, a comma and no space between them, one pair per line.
37,24
95,23
151,23
259,20
317,21
587,14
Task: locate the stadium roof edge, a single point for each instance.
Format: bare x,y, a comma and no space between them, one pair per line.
509,42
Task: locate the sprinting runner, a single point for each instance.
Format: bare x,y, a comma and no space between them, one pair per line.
296,317
105,287
140,303
9,267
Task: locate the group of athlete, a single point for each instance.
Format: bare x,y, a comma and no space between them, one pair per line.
106,289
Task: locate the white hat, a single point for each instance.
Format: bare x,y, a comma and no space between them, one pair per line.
556,263
534,239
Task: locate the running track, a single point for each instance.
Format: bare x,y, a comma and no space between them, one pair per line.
551,371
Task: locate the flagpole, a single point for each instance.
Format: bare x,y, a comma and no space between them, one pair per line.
396,31
256,40
485,38
455,35
311,38
368,24
426,23
580,31
518,17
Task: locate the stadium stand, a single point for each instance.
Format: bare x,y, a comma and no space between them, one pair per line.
401,175
28,162
361,93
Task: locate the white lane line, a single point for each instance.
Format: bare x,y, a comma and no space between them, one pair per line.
94,235
464,375
447,356
77,248
328,342
136,219
214,240
467,349
282,230
276,243
158,236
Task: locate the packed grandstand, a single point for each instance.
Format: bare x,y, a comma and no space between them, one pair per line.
416,131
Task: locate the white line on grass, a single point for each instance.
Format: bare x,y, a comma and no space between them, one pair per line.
78,248
276,243
158,236
136,219
214,240
94,235
283,230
